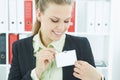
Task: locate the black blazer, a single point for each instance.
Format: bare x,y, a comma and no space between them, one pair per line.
24,61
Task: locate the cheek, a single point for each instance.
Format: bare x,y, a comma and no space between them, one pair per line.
48,27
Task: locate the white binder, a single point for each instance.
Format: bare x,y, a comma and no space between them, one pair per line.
80,22
20,15
12,16
3,16
99,17
106,18
90,16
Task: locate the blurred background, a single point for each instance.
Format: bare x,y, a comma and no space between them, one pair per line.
98,20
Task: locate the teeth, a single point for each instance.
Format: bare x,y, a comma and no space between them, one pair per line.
58,33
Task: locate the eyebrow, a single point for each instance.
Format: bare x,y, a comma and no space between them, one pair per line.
59,18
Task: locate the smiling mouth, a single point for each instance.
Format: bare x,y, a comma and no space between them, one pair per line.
58,33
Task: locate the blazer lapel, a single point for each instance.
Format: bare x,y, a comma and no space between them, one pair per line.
68,71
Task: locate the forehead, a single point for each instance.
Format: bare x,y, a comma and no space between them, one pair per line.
60,11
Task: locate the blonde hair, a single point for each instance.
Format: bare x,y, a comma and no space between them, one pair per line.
42,5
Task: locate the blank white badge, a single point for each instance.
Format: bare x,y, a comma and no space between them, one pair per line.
66,58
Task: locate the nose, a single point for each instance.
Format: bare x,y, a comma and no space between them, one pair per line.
61,26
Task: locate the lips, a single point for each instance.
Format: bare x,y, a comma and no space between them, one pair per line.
58,33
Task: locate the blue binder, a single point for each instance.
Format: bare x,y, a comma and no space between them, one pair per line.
2,48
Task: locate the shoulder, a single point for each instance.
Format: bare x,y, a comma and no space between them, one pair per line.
22,46
24,41
76,39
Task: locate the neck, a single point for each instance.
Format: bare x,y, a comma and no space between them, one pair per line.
45,40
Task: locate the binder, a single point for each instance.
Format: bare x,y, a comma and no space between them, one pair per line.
99,17
3,16
3,48
20,15
12,39
12,16
91,16
106,16
81,16
72,24
28,14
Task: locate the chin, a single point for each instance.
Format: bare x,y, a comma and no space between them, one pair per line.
56,38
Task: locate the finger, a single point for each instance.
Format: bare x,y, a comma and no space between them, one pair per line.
52,54
81,62
77,65
77,75
77,70
52,50
46,52
45,55
50,57
47,61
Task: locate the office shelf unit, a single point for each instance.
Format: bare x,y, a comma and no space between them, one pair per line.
12,22
92,20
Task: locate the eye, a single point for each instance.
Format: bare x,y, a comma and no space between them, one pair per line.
54,20
66,21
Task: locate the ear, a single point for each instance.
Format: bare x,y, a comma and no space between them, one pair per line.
38,14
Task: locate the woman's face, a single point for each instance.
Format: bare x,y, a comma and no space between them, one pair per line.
55,21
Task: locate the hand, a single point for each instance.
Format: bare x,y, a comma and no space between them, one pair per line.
43,59
83,70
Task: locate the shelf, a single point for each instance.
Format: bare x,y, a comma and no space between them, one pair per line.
88,34
22,32
4,65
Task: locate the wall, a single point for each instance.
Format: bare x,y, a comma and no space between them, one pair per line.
115,23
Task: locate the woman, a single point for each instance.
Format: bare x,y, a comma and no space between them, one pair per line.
34,57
